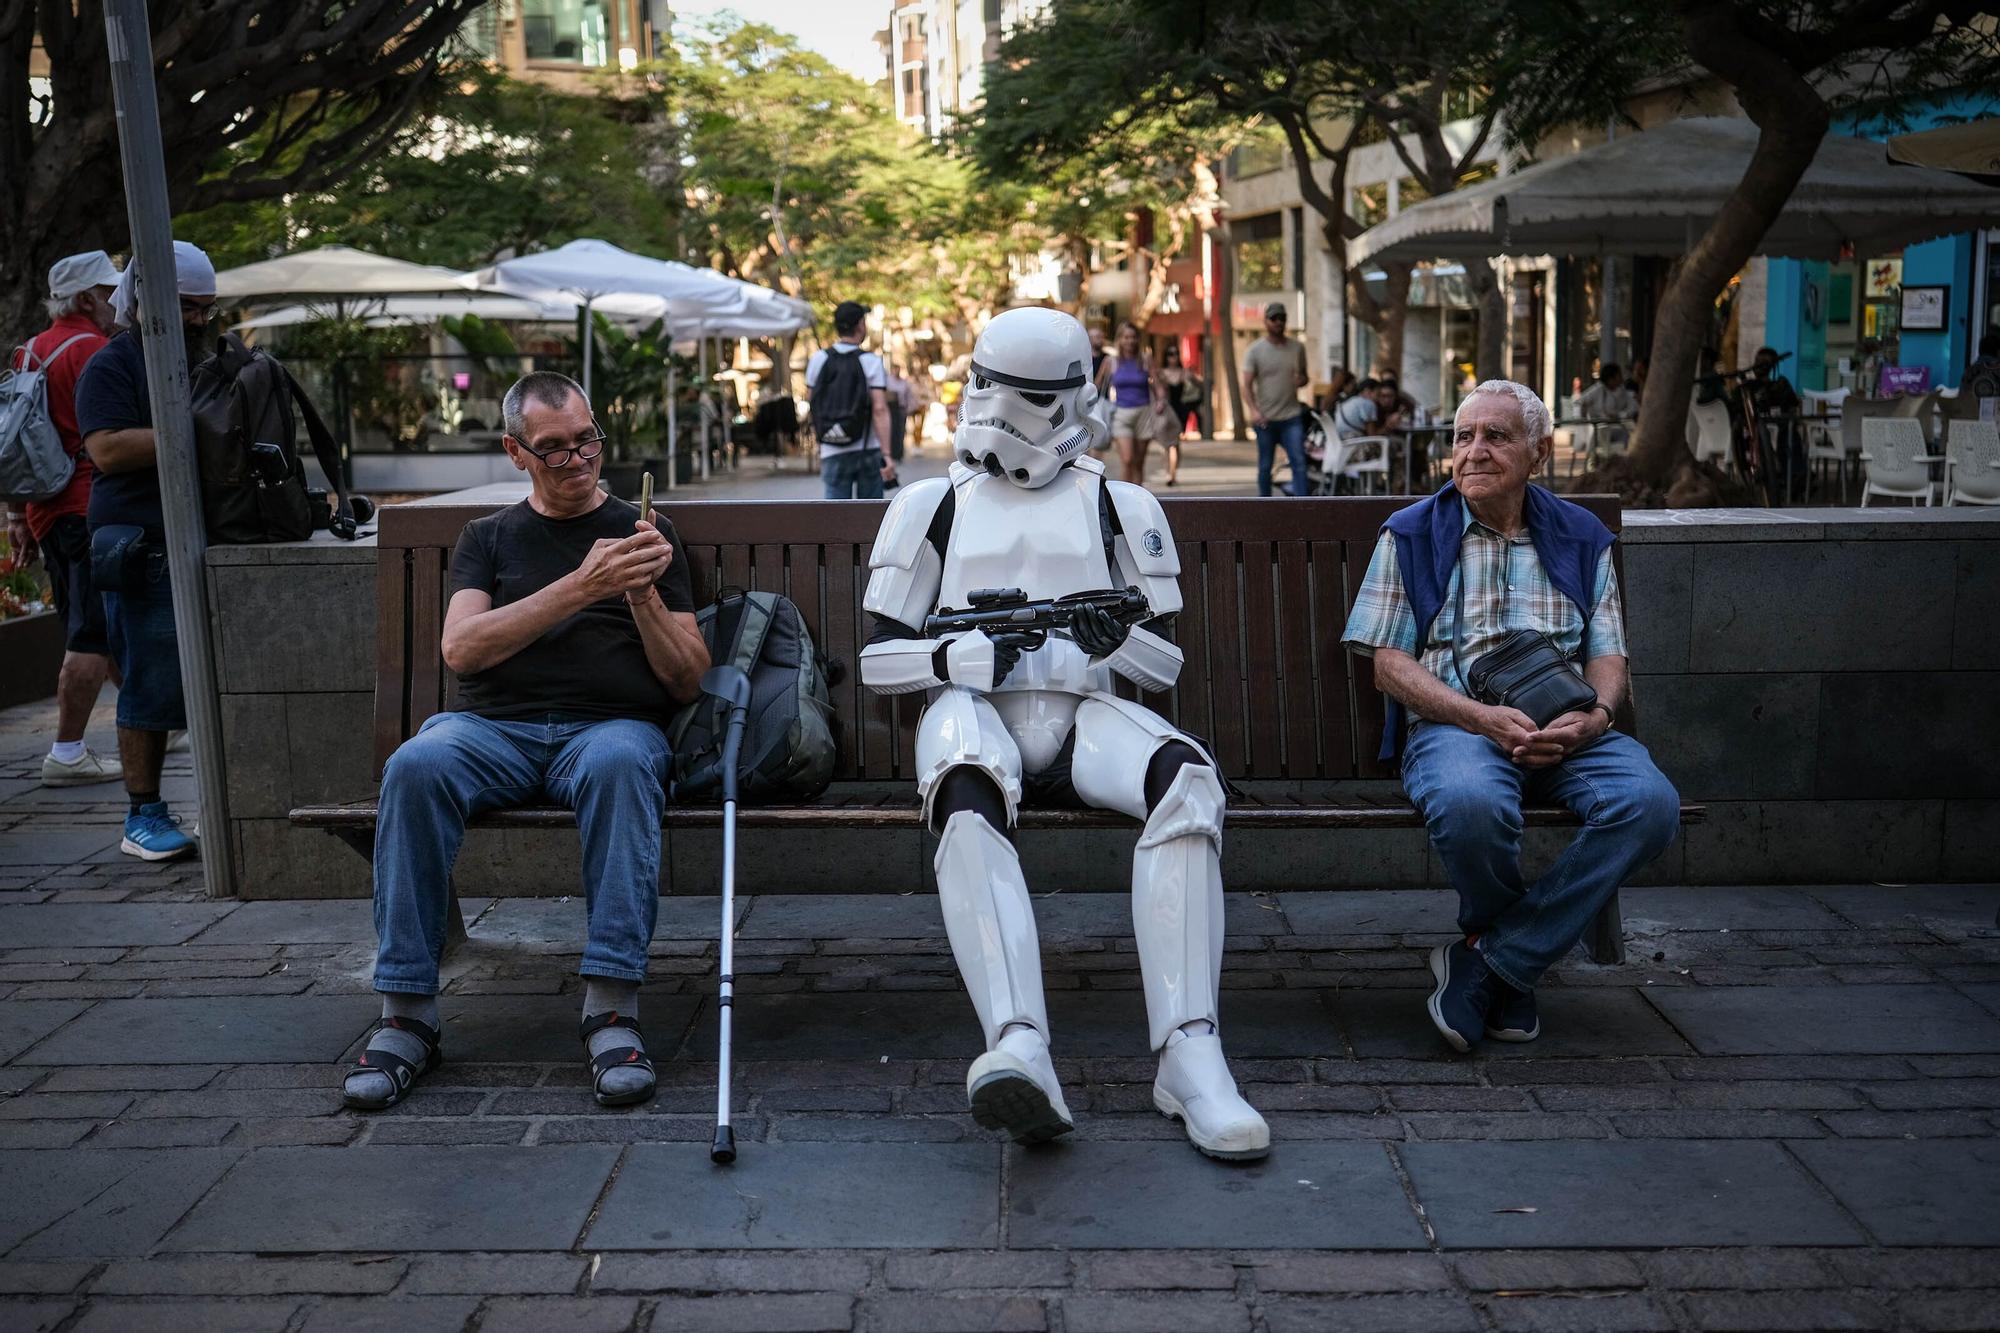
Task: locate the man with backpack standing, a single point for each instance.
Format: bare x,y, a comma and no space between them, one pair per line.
129,553
80,313
849,390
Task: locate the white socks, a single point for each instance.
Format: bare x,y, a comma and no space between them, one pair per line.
603,995
66,752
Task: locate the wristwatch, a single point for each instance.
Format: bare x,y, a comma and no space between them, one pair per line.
1610,715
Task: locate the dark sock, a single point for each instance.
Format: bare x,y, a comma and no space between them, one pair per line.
139,798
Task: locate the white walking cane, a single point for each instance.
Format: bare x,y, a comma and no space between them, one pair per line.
729,685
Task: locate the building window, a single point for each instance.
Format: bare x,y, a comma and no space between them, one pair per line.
480,34
569,31
1260,253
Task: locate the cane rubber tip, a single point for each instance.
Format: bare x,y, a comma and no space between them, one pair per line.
724,1150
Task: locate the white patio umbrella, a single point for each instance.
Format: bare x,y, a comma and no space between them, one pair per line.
333,273
597,271
1654,192
389,311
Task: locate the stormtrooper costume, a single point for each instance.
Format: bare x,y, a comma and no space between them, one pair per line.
1025,506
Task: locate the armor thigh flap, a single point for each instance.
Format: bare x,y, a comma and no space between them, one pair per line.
962,728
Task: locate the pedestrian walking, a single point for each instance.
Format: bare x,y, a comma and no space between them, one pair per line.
1128,379
1184,392
850,410
1274,370
57,529
128,545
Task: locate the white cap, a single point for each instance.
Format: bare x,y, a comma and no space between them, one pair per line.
78,273
193,275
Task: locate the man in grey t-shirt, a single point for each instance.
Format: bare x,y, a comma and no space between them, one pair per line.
1274,370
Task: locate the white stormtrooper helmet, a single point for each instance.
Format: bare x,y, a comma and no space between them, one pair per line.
1029,408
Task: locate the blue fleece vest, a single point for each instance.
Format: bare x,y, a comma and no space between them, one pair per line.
1569,539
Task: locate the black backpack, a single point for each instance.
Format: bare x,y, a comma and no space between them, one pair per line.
253,486
790,739
842,405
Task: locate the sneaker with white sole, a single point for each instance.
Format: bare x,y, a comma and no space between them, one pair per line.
87,768
154,834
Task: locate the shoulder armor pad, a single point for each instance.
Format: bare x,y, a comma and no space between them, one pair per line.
1088,464
1143,524
906,526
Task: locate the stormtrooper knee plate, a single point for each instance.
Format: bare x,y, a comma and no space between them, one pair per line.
962,728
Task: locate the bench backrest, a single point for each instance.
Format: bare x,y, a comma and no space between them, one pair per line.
1267,584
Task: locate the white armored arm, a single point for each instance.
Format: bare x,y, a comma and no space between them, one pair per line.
1145,558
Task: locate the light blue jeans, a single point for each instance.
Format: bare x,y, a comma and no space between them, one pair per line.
613,774
1470,796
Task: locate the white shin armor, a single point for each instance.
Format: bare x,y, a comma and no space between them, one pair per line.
991,925
1177,903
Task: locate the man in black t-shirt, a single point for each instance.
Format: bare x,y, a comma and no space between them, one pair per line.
571,629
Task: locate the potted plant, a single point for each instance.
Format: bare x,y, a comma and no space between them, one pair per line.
31,633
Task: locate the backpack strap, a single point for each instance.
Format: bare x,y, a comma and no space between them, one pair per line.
26,353
343,524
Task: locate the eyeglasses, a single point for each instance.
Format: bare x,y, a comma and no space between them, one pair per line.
585,447
205,309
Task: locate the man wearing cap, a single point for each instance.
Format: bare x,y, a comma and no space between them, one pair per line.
1274,370
80,317
127,530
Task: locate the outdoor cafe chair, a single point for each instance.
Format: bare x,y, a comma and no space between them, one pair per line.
1708,434
1823,446
1972,463
1357,459
1896,461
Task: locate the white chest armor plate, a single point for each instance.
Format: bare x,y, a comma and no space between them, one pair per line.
1046,542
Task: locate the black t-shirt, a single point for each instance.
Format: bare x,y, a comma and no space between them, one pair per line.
111,395
591,666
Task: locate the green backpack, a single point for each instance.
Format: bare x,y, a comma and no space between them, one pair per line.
790,741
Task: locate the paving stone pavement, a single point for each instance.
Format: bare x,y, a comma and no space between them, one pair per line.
1780,1113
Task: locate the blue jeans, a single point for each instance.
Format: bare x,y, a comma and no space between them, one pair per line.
1292,433
1470,796
613,774
856,475
139,625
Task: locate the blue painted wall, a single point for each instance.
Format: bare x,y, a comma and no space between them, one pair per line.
1946,262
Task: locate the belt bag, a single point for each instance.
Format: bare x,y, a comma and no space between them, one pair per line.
115,550
1524,671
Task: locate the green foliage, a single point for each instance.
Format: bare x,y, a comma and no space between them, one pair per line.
488,344
628,374
381,388
499,166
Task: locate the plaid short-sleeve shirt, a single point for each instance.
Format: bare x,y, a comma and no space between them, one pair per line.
1506,589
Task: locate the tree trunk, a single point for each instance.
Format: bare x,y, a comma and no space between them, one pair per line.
1490,359
1385,317
1222,301
1792,121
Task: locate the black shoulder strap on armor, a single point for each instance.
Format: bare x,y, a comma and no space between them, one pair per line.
1107,526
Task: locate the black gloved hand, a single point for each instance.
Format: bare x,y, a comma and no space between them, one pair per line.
1006,652
1097,631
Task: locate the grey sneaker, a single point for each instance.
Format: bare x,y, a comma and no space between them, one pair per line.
87,768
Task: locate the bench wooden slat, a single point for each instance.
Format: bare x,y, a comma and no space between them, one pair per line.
1330,659
1257,559
1294,665
1225,662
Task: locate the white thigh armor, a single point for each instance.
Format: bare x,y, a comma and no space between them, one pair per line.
961,727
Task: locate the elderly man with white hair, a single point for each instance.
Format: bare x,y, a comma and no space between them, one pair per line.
1492,612
128,546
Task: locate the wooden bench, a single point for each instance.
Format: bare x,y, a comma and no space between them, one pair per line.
1267,585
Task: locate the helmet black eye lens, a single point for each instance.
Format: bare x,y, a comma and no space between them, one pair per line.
1039,399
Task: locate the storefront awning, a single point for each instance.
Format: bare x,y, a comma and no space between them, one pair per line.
1655,192
1972,149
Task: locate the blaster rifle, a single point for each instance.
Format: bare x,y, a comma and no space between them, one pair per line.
1011,612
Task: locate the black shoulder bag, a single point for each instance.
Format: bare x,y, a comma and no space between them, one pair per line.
1525,671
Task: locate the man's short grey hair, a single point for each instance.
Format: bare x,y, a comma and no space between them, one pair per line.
541,386
61,307
1535,416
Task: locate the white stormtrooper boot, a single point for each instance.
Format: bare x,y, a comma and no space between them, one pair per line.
991,926
1195,1088
1177,920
